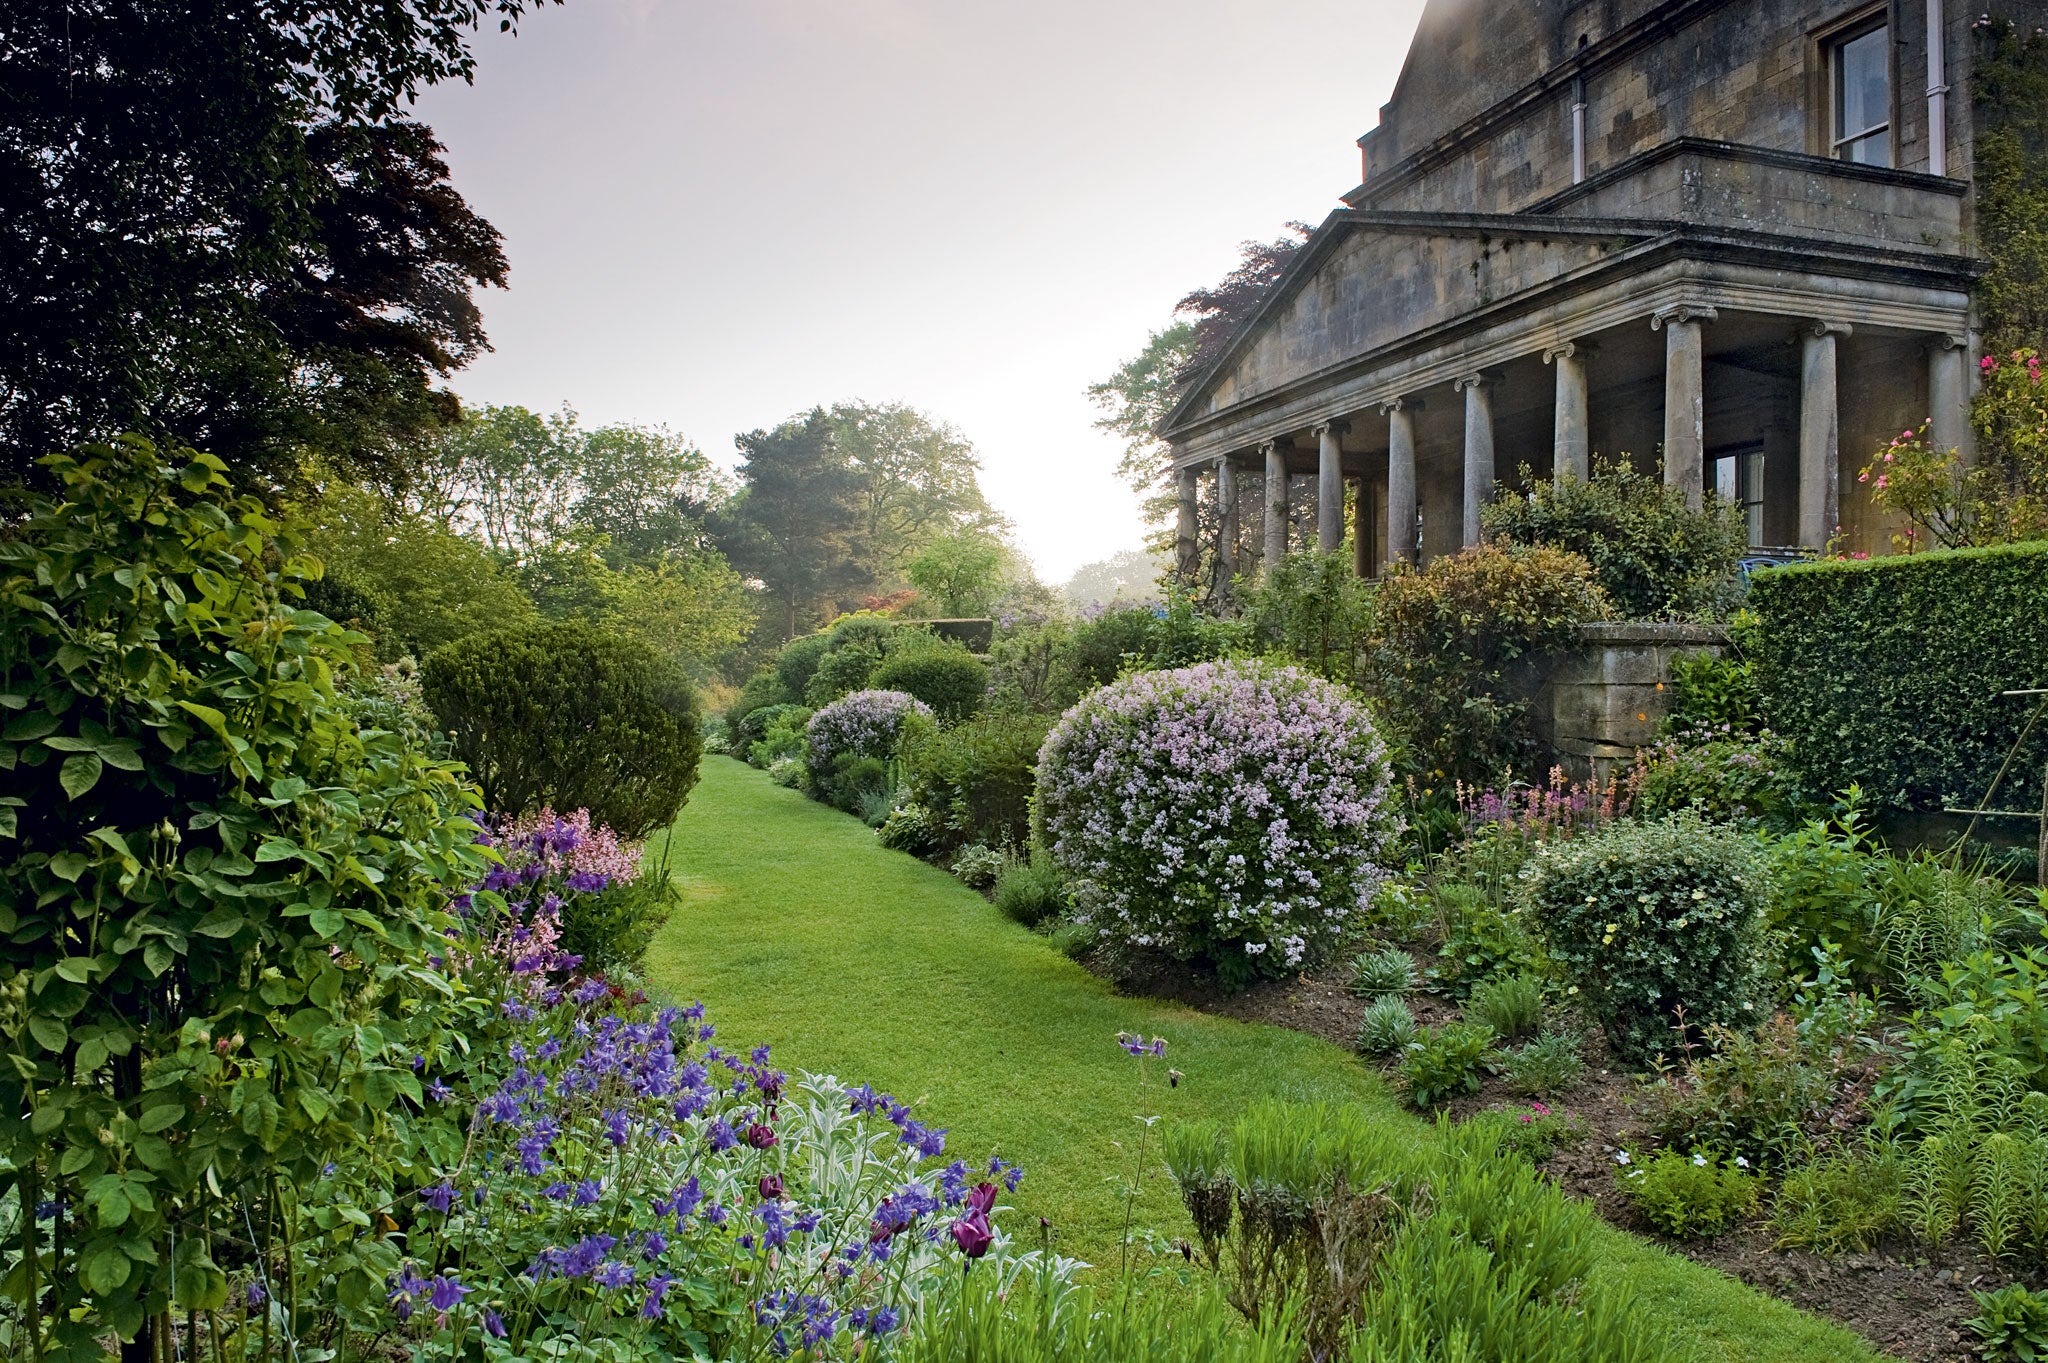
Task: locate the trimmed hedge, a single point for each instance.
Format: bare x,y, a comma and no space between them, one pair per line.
569,716
944,676
1886,672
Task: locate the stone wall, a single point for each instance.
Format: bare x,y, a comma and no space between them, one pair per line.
1601,703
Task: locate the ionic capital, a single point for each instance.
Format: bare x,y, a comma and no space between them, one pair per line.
1568,350
1389,406
1335,425
1949,340
1478,379
1821,326
1682,312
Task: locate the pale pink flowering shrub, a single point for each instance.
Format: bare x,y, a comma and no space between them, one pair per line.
1231,811
567,845
864,724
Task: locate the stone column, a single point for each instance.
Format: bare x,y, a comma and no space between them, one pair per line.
1820,432
1361,530
1226,521
1330,486
1685,424
1186,553
1948,397
1571,446
1400,480
1478,449
1276,503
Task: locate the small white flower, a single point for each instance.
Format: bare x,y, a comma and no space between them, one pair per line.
1621,1157
1699,1161
1741,1163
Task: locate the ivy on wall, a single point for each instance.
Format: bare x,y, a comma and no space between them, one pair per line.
2011,90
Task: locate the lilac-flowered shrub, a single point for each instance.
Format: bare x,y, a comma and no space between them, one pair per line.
864,724
1230,811
573,887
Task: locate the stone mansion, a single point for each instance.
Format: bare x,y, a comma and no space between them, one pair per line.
1735,235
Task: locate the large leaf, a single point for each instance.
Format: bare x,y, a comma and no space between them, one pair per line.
79,774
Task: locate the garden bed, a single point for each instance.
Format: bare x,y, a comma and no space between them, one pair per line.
1909,1301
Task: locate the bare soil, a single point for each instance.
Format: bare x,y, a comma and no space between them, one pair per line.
1905,1300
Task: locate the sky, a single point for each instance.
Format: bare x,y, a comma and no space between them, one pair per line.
721,215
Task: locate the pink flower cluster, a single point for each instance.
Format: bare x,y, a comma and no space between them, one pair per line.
1231,808
1557,809
569,846
865,724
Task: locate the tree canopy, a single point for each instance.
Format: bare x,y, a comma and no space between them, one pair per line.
214,222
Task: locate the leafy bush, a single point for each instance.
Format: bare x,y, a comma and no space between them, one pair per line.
1654,556
977,778
978,865
1443,1062
1030,671
909,828
944,676
1316,610
1534,1133
1657,923
562,715
1822,891
797,663
783,729
220,890
1717,694
762,690
1886,674
1387,1027
1839,1202
866,724
1387,971
1512,1005
1765,1095
1689,1196
1451,661
841,672
1030,889
1722,777
1481,939
2011,1324
1549,1065
1228,811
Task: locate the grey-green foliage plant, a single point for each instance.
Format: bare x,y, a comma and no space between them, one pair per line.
1389,970
2011,1324
1660,924
1387,1027
1549,1065
1030,889
1443,1062
1512,1005
219,894
568,716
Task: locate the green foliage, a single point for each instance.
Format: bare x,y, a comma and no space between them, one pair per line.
1764,1094
1722,777
1841,1202
1886,674
977,778
2011,1324
1690,1196
960,573
841,672
1030,889
1821,888
1443,1062
763,689
1389,970
219,891
611,929
1653,556
1029,669
1314,609
2010,80
977,865
798,662
1717,692
783,738
909,828
1512,1005
1029,1322
1659,924
1545,1067
944,676
1482,938
1450,661
1535,1133
562,715
1387,1027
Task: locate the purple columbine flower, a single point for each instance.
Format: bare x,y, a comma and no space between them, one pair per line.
439,1091
682,1202
657,1288
253,1295
440,1197
612,1273
720,1135
883,1320
445,1293
589,1191
494,1324
404,1288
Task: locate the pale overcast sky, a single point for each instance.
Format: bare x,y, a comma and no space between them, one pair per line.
719,215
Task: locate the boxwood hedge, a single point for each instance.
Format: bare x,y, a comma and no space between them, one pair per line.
1887,672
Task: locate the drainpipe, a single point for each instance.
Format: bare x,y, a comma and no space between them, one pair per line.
1579,125
1937,91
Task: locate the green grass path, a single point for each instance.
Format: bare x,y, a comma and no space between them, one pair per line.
799,930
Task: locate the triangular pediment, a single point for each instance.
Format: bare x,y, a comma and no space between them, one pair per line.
1367,280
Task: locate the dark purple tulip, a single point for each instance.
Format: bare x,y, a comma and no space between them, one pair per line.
981,1199
973,1235
761,1136
771,1187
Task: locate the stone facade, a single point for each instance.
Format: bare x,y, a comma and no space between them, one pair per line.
1711,233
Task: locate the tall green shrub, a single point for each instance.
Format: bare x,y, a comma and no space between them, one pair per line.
564,715
1654,556
1659,925
944,676
1451,657
976,778
218,895
1317,611
1886,673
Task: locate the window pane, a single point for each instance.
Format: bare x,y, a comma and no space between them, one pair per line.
1874,150
1862,93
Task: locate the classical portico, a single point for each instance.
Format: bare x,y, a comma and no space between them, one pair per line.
1722,356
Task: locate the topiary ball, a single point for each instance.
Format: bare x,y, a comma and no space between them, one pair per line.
569,716
1229,812
949,679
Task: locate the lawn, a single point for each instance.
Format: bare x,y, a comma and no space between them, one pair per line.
797,929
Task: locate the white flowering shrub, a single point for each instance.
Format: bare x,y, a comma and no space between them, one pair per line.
1230,812
864,724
